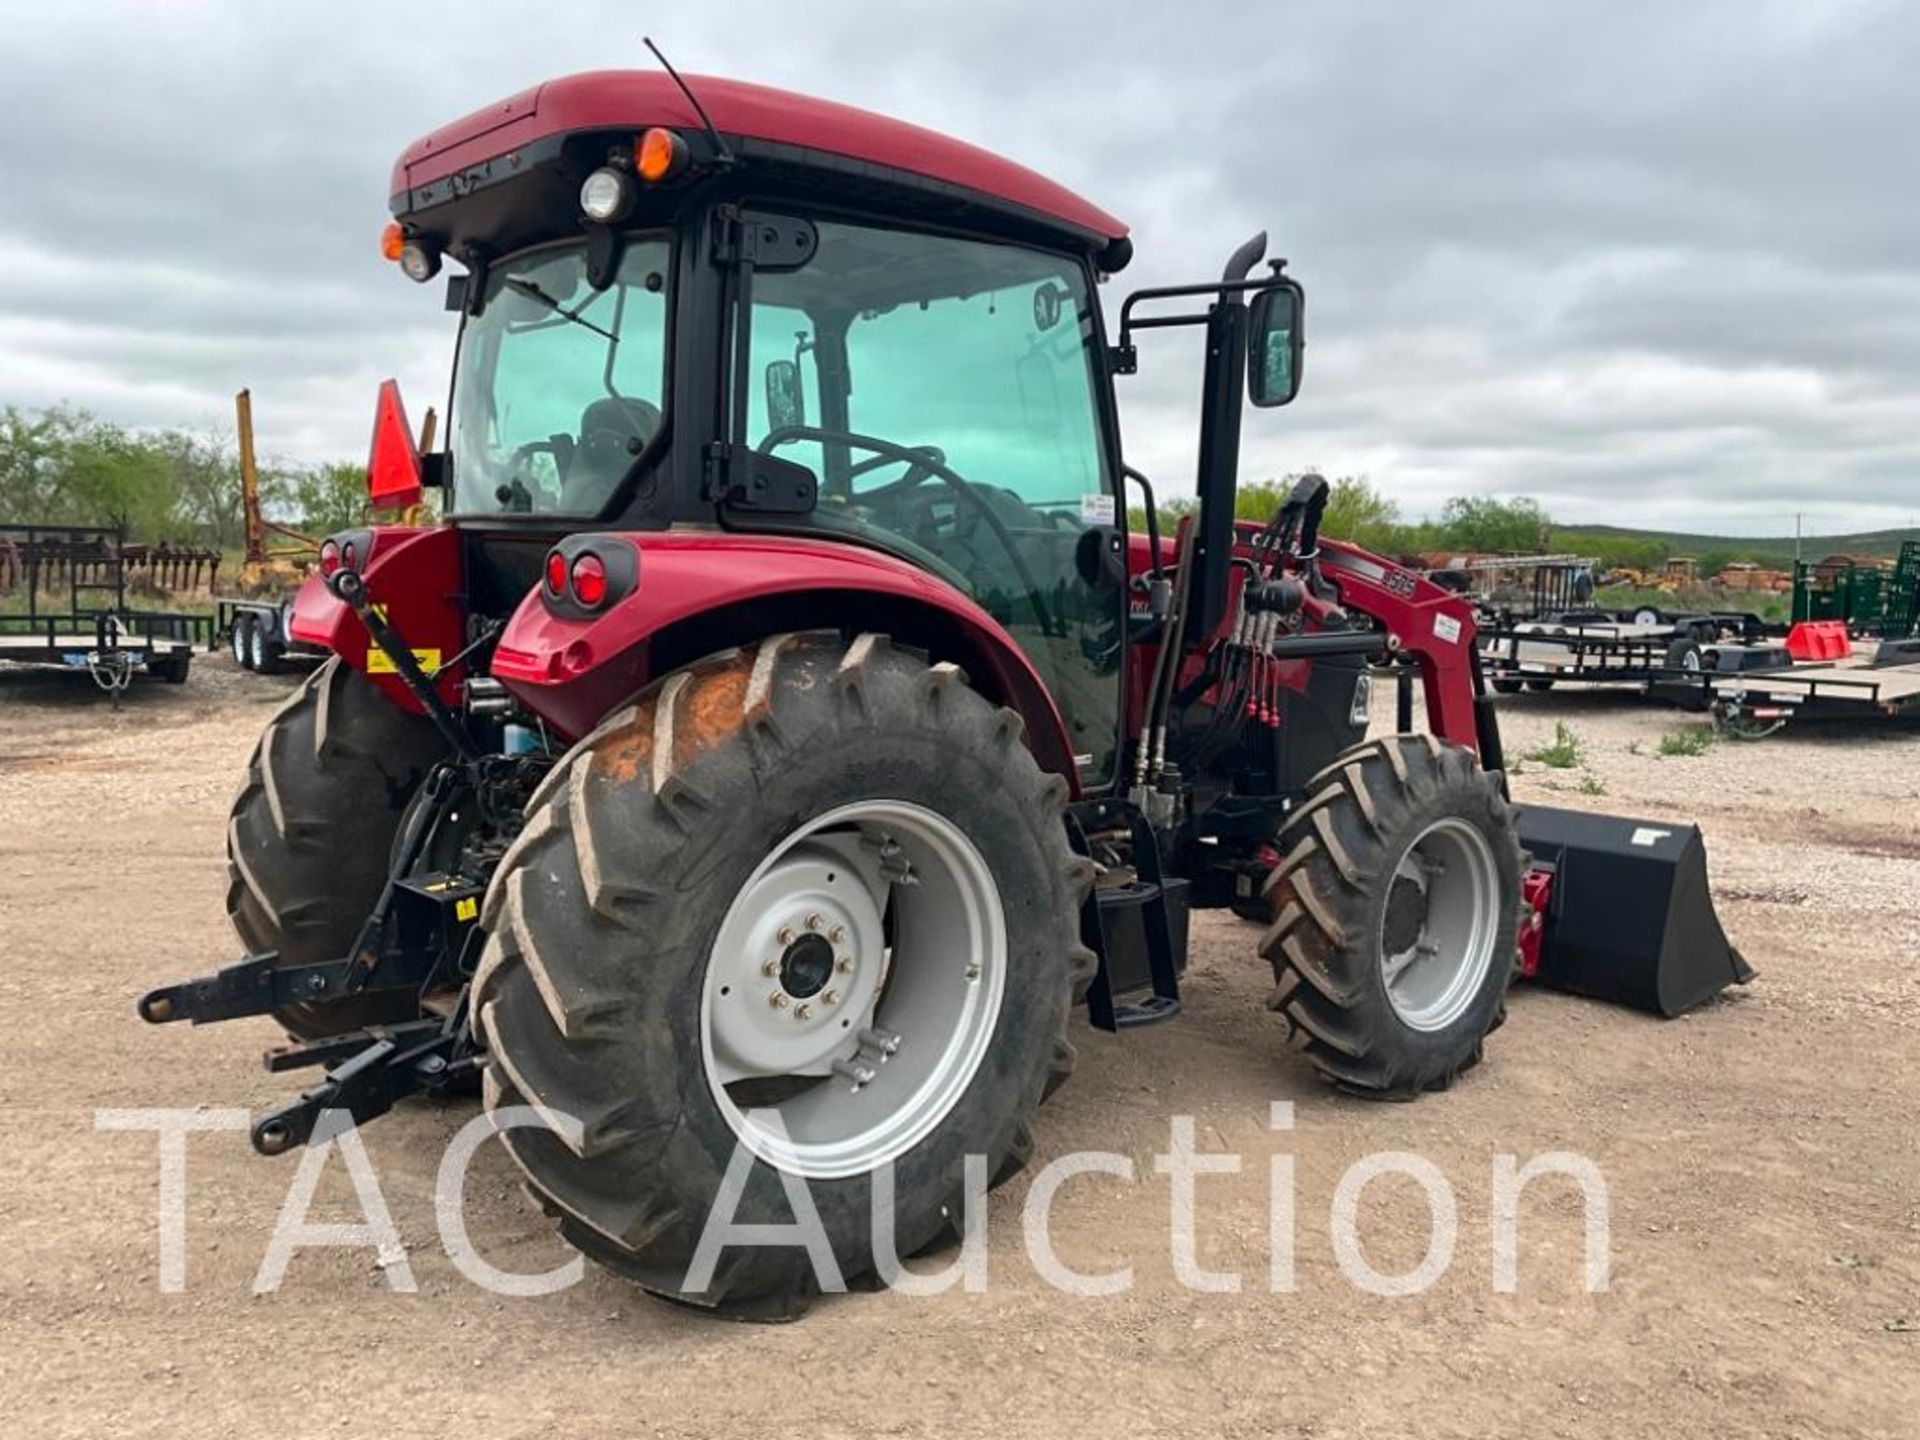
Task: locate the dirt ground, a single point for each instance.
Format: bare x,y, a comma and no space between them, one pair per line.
1762,1158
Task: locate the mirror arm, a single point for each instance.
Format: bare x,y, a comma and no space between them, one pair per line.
1153,519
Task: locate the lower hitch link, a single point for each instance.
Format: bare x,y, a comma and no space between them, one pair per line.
391,1063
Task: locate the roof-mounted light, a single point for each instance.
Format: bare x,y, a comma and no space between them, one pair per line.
607,195
419,262
393,240
659,155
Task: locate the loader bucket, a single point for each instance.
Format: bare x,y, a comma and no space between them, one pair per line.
1628,914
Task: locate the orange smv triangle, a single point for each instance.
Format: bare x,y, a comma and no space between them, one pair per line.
393,467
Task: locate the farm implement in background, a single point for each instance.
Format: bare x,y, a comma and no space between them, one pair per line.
63,602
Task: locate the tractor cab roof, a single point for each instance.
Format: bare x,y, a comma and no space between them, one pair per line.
838,152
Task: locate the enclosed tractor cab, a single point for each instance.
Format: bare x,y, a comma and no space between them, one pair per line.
787,731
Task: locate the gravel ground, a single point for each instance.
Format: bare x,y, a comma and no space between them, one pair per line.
1760,1156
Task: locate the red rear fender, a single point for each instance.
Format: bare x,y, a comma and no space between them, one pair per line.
703,591
415,575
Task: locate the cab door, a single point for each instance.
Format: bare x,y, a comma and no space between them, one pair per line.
945,392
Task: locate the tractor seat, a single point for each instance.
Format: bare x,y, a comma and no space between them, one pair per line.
613,432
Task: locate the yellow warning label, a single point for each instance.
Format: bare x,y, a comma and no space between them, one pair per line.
466,909
379,664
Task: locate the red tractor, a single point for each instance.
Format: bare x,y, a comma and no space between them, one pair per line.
788,730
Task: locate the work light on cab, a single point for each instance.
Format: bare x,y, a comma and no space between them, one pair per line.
607,195
419,262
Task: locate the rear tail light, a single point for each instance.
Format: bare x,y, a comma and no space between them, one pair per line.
584,574
589,581
345,550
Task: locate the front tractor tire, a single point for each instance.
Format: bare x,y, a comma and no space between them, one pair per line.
808,909
312,829
1395,911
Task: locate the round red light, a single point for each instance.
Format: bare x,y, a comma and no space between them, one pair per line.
329,557
556,572
589,580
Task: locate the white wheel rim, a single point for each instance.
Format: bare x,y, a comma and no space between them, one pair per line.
239,643
256,646
858,1079
1446,881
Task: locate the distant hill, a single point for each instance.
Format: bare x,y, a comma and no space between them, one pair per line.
1770,550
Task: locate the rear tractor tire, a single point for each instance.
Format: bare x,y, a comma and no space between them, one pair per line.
1396,906
806,908
311,832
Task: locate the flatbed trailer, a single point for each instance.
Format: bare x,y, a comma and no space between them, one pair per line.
1758,703
1665,655
94,630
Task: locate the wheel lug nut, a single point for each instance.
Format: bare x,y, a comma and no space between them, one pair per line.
837,934
770,967
778,999
844,964
830,997
785,937
814,922
803,1012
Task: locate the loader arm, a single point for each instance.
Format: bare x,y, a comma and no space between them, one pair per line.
1433,625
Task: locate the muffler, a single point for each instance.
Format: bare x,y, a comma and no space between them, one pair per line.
1623,912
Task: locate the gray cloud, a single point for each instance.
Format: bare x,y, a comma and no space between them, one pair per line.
1644,261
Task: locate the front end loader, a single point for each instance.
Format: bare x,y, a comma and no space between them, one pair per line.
788,731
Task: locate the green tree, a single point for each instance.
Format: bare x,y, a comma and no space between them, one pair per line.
1486,523
109,477
329,497
1361,515
33,463
205,480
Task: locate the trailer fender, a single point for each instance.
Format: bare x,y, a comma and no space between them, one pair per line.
698,592
414,575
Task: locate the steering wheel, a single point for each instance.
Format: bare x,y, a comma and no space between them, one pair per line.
519,474
916,470
923,462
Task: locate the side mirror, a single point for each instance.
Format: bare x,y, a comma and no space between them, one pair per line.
1100,555
1276,344
786,401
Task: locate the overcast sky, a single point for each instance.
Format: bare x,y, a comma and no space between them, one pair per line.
1650,263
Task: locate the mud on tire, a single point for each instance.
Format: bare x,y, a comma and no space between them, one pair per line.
310,832
1355,894
603,919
